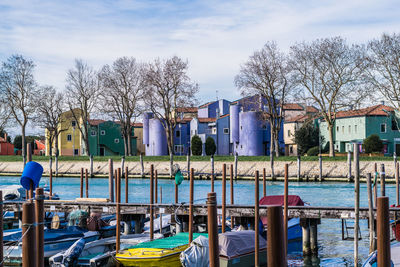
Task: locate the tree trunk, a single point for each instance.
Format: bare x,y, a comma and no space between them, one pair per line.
271,155
129,144
276,144
57,152
331,144
23,152
51,157
171,163
126,145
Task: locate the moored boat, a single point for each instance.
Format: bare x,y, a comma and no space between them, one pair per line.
162,252
372,260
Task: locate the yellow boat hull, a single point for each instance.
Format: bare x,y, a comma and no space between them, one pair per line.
142,257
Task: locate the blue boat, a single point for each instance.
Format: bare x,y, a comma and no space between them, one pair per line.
54,242
372,260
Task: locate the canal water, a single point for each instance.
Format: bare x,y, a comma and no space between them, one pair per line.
333,251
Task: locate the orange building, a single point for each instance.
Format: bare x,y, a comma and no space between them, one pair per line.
5,147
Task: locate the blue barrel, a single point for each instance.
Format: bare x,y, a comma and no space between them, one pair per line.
32,173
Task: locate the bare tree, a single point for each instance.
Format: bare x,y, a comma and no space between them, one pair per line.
383,71
266,74
121,95
49,116
5,113
168,87
18,90
82,91
328,71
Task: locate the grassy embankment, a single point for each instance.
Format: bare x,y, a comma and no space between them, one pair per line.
192,158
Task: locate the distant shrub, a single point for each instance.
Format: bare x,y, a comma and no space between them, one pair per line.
313,151
306,137
197,145
373,144
211,148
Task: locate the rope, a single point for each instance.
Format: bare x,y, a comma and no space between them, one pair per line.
11,248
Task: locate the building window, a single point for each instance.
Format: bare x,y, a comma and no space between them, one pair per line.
291,150
214,130
103,132
93,133
394,125
342,129
289,133
178,133
73,123
383,127
69,138
349,128
76,152
355,128
226,130
337,128
116,140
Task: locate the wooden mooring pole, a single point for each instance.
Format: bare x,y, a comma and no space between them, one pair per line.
275,238
298,168
212,173
223,197
141,166
87,183
110,180
370,215
356,201
383,234
213,246
320,168
51,184
151,201
176,193
39,218
81,183
236,165
187,162
118,211
126,185
155,186
285,205
382,178
231,184
397,184
375,184
349,176
29,249
264,183
256,219
191,193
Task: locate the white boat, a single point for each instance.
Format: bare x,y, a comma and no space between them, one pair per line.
101,252
394,253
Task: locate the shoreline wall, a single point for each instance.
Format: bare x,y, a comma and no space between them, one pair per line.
309,169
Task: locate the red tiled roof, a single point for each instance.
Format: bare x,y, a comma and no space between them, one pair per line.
187,109
369,111
223,116
311,109
207,104
184,120
299,118
292,106
137,124
95,122
207,119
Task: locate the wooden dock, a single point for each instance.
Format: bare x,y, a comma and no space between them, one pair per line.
303,212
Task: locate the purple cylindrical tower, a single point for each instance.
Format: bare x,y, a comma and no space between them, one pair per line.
157,139
234,123
250,134
146,117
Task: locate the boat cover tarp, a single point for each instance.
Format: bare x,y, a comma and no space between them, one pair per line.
71,255
293,200
197,254
166,220
233,244
13,192
394,254
49,234
169,242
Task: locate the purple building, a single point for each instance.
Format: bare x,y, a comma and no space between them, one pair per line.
154,136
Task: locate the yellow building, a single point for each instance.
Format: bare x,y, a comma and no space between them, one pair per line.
138,133
70,141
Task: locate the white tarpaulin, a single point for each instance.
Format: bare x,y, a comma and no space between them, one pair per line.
232,244
197,254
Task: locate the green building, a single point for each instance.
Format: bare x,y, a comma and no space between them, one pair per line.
105,139
354,126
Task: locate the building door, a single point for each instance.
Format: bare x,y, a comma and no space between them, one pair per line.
101,151
397,149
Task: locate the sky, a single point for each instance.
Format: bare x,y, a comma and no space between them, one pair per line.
216,37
